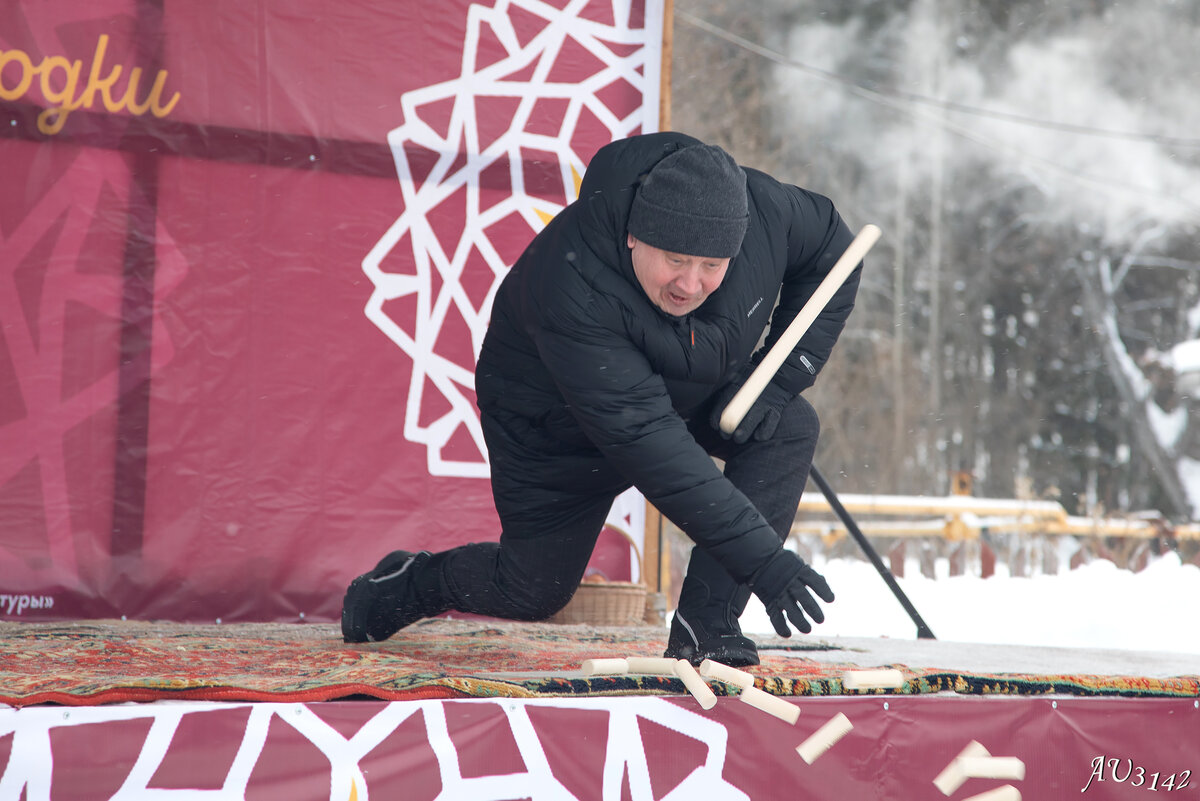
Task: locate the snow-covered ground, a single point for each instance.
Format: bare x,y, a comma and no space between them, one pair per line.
1096,606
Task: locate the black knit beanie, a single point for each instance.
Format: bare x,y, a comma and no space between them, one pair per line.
693,202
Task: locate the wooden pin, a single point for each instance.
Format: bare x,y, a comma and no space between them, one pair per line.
872,679
695,685
1005,793
952,776
992,767
730,675
772,705
651,665
823,738
605,667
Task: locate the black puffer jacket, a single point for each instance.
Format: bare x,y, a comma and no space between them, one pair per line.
577,349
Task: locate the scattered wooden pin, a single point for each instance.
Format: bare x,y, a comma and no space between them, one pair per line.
992,767
759,699
1005,793
651,665
730,675
952,776
605,667
695,685
764,701
823,738
872,679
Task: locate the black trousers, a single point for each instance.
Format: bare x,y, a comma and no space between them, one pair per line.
550,527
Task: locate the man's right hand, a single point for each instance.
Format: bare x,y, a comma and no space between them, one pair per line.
783,586
761,418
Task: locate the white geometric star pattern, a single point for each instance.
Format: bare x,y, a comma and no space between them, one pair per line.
484,161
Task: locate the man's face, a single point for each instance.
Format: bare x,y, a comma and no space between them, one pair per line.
675,282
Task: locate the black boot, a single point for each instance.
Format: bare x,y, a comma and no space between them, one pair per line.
402,589
705,625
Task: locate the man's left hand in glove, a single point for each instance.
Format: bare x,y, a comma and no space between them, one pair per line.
783,586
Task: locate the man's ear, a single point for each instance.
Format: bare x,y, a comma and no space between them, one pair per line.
630,241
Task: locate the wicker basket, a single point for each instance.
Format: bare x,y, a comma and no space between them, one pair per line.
607,603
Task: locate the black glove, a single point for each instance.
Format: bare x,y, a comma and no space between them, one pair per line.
783,584
762,417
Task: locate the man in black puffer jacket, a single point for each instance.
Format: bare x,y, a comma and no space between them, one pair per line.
615,342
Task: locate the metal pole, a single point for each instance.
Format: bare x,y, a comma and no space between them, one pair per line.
923,632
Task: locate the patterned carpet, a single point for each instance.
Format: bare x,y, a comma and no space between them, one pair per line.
97,662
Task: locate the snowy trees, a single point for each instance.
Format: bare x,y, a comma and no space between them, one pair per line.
1029,313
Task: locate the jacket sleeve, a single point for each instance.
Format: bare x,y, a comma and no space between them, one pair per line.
816,239
624,408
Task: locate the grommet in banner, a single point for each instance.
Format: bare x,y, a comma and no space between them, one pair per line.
885,704
1054,704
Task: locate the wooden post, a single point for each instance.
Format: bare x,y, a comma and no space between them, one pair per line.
1049,557
664,73
1018,562
1083,555
928,561
656,567
987,560
896,558
657,556
958,559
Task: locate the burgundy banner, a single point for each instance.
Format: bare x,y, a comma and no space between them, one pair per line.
247,254
888,747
